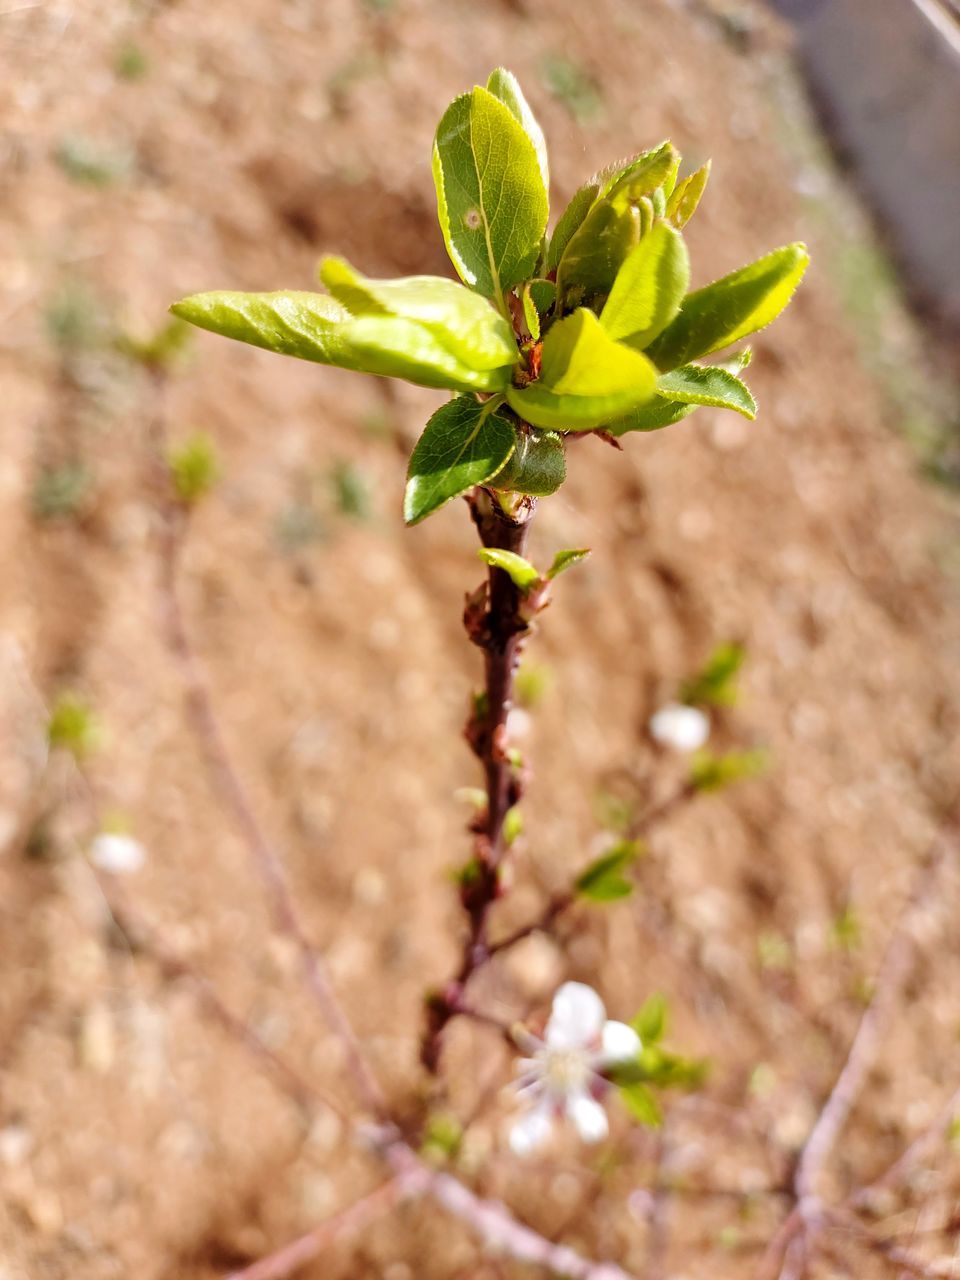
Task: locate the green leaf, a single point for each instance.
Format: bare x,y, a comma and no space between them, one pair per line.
711,773
464,444
649,288
731,308
642,1105
604,879
491,198
460,319
315,327
586,378
73,726
571,220
644,173
504,85
520,572
397,348
512,825
543,294
650,1023
194,468
307,325
531,315
596,252
564,559
159,350
537,466
653,415
715,682
706,384
686,196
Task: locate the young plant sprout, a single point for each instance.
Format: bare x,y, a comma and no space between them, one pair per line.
550,335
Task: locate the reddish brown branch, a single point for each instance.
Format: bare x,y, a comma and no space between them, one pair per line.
495,623
489,1220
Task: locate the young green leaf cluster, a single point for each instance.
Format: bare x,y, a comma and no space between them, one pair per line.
589,328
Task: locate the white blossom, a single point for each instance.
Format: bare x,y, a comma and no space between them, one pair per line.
561,1077
117,854
681,727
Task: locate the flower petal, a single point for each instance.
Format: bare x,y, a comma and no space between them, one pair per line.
117,854
577,1017
681,727
588,1117
530,1132
619,1043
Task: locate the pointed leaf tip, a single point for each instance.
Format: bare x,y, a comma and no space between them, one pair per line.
732,307
491,197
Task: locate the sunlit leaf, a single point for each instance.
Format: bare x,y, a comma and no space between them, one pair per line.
308,325
563,560
709,772
644,173
650,1023
596,251
463,444
705,384
531,315
715,683
503,84
731,308
491,197
315,327
652,416
641,1104
649,288
398,348
462,320
605,879
521,572
586,378
571,220
686,196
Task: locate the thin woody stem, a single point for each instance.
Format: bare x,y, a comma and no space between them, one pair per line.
494,621
206,726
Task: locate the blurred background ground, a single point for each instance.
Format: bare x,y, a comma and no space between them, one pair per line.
149,151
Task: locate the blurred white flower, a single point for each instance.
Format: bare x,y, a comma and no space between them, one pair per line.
117,854
681,727
519,724
562,1075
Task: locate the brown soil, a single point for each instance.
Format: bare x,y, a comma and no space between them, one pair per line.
137,1139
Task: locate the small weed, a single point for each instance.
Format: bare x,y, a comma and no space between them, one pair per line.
60,493
130,62
92,163
574,87
351,490
194,468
